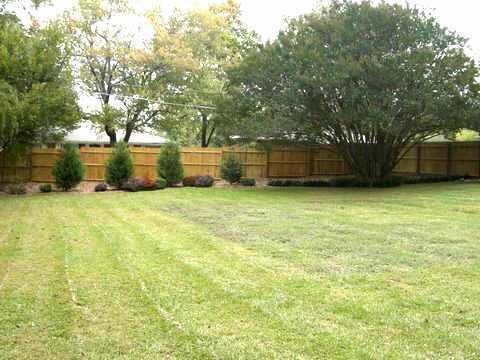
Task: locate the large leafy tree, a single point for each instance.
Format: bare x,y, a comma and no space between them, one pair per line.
37,101
130,78
372,79
217,40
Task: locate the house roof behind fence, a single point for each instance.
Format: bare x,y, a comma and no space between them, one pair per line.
88,134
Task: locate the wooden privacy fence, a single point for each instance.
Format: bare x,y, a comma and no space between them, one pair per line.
279,162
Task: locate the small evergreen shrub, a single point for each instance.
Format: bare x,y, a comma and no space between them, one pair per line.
69,170
248,182
169,165
161,183
204,181
231,169
119,167
17,189
190,181
102,187
46,188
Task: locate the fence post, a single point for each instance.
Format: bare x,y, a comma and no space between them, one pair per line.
308,156
30,165
449,159
419,159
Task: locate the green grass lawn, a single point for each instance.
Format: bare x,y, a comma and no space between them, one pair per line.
242,273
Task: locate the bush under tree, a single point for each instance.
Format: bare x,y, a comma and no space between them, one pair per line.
169,164
68,170
119,167
231,169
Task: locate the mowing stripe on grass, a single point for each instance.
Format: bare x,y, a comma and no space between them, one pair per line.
35,311
169,250
107,291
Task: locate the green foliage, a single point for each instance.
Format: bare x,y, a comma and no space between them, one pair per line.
204,181
231,169
169,165
371,79
429,179
216,39
68,170
46,188
161,183
119,167
16,189
467,135
111,64
37,101
342,182
248,182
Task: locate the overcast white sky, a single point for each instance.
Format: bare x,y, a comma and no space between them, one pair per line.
267,16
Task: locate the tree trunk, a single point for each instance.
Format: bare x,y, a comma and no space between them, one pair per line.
204,130
112,134
128,133
370,162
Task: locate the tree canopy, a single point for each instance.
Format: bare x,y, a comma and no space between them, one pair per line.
372,79
217,40
37,101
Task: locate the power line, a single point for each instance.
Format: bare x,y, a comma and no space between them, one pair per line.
160,102
187,90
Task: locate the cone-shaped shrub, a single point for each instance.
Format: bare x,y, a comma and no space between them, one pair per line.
169,165
119,167
231,169
69,170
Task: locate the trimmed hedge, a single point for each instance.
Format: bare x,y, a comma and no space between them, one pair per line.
140,184
427,179
204,181
248,182
190,181
16,189
102,187
46,188
349,181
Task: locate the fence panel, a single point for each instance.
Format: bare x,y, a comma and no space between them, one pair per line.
288,162
326,161
14,168
465,159
434,159
279,162
409,163
43,162
254,162
201,161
